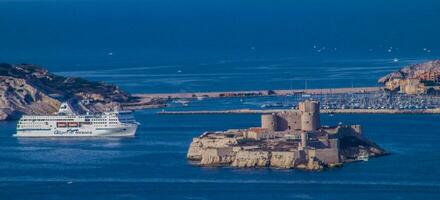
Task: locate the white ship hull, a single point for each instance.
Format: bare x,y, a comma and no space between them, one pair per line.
67,123
123,131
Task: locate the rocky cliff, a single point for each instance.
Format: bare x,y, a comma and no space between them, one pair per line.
30,89
417,71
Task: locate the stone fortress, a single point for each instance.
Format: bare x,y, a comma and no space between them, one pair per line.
288,139
290,121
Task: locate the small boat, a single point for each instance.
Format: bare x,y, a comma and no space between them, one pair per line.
363,157
182,102
273,105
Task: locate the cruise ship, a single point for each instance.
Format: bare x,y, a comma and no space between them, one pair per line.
66,123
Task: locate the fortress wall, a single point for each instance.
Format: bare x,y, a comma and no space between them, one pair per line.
344,131
254,135
294,121
328,155
282,123
251,159
283,159
289,120
217,156
333,143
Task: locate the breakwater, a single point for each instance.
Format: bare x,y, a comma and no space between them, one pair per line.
260,93
324,111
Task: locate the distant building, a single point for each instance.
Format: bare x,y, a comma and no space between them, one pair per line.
412,86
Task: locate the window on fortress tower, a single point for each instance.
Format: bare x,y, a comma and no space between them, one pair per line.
290,128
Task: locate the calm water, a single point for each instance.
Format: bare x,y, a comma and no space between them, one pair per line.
181,46
153,166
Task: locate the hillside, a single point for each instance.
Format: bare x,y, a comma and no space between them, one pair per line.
30,89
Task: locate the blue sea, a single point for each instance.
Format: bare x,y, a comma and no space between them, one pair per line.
167,46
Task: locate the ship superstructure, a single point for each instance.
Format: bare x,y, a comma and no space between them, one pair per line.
67,123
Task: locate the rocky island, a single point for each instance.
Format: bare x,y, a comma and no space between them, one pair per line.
30,89
287,139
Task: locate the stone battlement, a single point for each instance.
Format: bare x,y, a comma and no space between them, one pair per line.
305,119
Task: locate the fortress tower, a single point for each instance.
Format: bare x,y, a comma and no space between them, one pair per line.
269,122
304,119
309,115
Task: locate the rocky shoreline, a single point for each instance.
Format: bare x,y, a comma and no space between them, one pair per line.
423,78
288,139
30,89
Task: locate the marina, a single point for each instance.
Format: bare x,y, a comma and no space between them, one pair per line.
215,100
375,102
250,93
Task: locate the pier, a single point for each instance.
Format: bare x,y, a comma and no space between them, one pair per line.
323,111
260,93
354,100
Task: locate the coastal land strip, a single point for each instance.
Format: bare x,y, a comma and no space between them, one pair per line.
323,111
259,93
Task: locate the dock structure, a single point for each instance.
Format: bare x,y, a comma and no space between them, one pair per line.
261,93
323,111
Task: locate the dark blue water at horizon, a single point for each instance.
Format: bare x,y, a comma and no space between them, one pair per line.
191,46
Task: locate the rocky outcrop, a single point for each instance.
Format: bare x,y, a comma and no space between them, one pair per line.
230,148
17,97
413,71
252,159
281,159
415,79
206,141
280,143
29,89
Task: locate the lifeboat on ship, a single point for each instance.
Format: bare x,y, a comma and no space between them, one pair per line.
61,124
73,124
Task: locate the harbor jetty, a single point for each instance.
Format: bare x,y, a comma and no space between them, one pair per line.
260,93
286,139
323,111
